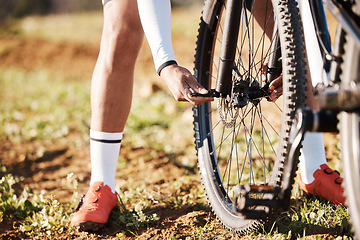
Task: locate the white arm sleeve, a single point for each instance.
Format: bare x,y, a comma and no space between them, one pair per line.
155,18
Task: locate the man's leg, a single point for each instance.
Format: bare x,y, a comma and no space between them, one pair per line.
111,95
112,82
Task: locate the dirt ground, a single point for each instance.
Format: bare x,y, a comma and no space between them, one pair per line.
49,172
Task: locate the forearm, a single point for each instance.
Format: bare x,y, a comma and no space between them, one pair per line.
155,17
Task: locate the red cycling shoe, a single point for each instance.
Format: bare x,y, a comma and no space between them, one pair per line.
94,208
327,185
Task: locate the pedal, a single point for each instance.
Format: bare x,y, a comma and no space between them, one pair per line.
255,201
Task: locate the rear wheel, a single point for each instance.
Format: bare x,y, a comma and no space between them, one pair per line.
350,133
246,144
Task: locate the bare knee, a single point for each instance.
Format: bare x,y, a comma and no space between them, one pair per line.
122,34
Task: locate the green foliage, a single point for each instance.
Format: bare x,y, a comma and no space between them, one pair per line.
11,204
36,105
51,219
134,220
310,214
39,216
157,118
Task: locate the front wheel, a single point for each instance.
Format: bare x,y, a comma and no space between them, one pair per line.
245,143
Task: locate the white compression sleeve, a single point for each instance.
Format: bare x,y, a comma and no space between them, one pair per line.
155,18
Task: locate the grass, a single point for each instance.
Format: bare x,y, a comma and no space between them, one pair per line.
39,216
20,206
40,106
312,216
31,112
46,217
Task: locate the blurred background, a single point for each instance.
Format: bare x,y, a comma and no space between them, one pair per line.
21,8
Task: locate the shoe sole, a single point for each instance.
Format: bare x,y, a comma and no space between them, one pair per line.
89,226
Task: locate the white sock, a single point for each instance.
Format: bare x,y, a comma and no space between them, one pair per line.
104,154
312,156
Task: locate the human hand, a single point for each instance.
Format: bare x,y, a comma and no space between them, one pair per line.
275,88
181,84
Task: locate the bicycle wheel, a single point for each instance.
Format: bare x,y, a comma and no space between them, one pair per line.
350,134
247,144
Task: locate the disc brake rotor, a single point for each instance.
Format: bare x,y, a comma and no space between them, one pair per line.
229,114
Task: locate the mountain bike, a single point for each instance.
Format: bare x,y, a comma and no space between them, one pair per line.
248,146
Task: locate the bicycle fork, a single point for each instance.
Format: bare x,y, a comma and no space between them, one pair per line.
227,51
230,84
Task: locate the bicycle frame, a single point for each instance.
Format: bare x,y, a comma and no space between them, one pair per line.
316,31
316,61
317,41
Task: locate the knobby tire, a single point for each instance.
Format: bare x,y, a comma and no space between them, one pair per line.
246,145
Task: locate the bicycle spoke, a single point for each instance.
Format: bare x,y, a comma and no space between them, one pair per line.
243,147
